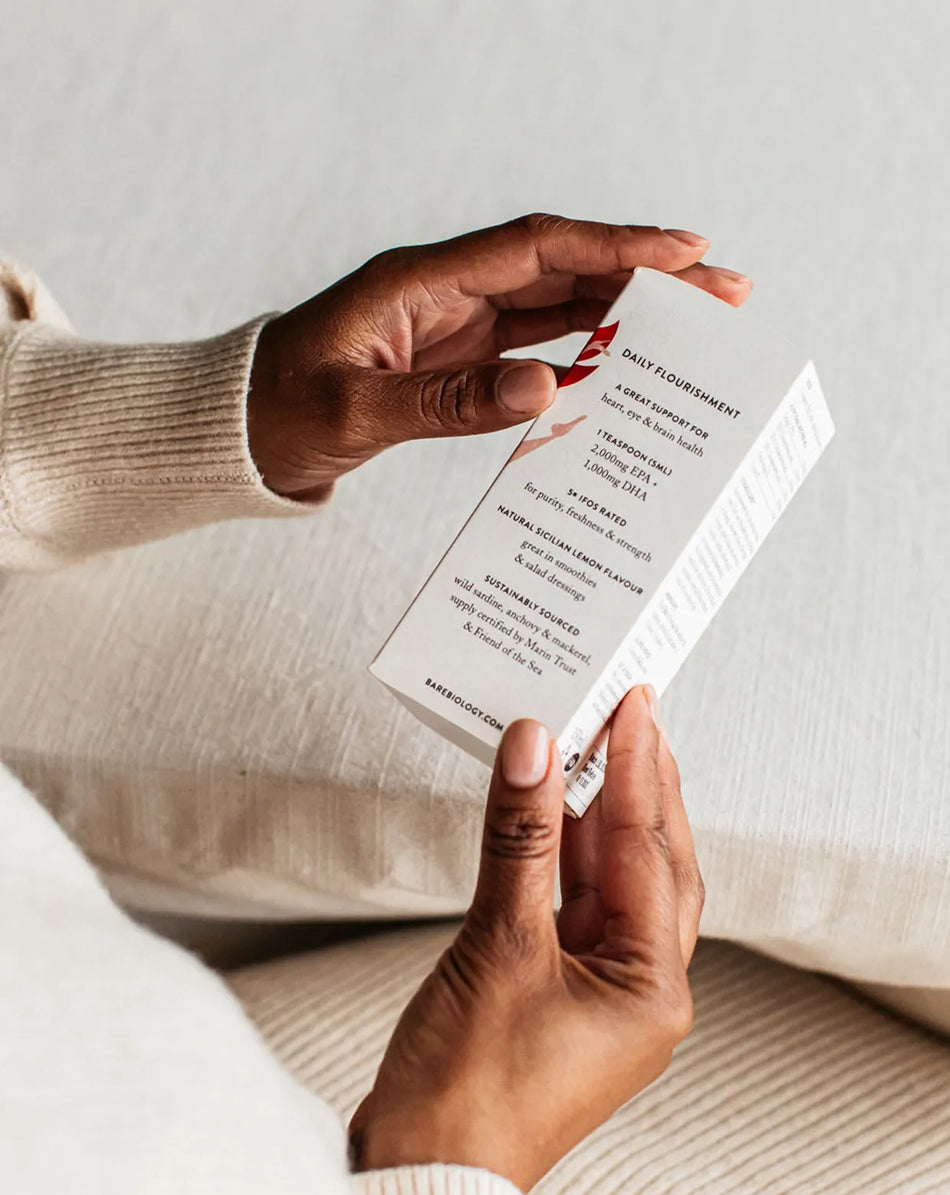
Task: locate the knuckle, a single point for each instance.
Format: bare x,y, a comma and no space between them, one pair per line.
387,262
496,940
615,242
538,222
639,755
671,770
462,964
519,834
612,239
695,887
650,837
689,882
674,1009
450,402
375,270
656,837
683,1014
384,274
540,227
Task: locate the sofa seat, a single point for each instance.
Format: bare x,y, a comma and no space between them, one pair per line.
788,1085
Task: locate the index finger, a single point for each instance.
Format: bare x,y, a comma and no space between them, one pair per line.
509,256
638,885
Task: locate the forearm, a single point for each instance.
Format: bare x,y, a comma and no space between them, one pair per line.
105,445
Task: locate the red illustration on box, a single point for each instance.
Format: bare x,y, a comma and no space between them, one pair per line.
583,367
597,346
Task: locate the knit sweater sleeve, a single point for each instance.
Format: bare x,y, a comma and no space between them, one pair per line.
432,1180
106,445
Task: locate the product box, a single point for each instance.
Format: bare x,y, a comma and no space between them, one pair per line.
615,530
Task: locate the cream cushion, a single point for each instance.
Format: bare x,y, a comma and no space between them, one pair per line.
197,713
788,1085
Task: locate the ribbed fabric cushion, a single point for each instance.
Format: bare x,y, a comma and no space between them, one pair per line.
788,1083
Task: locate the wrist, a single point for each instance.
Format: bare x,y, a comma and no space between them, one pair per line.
286,427
264,408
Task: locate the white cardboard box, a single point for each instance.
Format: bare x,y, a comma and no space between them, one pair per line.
615,530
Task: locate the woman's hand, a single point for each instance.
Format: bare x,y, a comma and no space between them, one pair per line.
407,346
531,1032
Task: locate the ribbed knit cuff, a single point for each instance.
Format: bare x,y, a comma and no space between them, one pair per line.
432,1180
105,445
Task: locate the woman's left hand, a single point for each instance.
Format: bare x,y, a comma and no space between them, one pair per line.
408,345
528,1034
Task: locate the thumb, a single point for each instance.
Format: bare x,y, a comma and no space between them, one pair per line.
522,836
483,397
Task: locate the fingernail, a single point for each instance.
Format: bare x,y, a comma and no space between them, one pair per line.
524,391
653,705
525,754
734,275
688,238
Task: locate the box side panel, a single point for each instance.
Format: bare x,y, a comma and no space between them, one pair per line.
702,577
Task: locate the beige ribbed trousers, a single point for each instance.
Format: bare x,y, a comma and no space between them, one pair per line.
788,1084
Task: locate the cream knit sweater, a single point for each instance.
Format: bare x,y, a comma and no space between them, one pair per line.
126,1066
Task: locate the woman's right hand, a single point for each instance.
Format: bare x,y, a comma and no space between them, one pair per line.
532,1031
